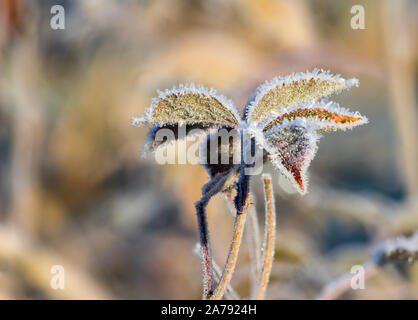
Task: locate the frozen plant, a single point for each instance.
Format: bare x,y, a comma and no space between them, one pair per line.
285,118
399,251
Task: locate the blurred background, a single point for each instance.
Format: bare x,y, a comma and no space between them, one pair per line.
75,191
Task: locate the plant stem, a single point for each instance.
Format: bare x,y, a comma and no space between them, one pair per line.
230,293
269,240
231,260
243,186
208,191
206,254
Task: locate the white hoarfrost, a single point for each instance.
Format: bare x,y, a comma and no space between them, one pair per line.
398,249
301,151
316,74
315,121
184,89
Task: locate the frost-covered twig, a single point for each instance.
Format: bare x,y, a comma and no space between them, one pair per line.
269,240
397,250
391,251
231,260
230,293
252,231
208,191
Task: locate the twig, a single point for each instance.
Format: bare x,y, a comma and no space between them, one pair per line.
390,251
269,240
230,293
253,237
400,249
208,191
243,185
231,260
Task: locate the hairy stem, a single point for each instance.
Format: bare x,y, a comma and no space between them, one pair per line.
231,260
208,191
243,186
230,293
206,254
269,240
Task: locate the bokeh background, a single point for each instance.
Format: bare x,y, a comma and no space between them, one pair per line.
74,190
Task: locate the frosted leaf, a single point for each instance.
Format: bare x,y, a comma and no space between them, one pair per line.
290,136
282,92
190,105
291,147
322,115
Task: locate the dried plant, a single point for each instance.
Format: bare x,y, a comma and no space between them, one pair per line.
397,251
284,118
